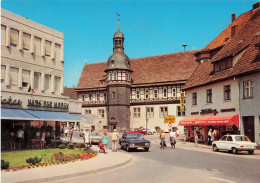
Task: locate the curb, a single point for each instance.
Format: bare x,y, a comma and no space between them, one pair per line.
78,174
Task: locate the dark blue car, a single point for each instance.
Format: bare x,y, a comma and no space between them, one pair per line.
134,141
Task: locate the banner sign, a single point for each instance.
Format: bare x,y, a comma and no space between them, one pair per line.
182,102
169,119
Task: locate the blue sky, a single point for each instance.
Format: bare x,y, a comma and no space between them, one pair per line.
150,27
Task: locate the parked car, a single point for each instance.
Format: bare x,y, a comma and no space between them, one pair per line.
95,137
134,141
137,130
234,143
151,132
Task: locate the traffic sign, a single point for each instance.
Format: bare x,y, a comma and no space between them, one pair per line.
100,122
170,125
169,119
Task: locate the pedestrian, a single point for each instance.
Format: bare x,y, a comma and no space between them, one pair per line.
162,137
114,140
105,141
12,138
172,136
196,139
20,136
70,133
66,130
42,139
209,136
177,133
86,137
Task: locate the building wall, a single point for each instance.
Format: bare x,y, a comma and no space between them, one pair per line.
250,106
218,102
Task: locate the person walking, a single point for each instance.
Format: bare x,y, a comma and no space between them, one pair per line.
71,133
20,136
86,137
105,141
162,137
12,138
196,139
114,140
209,136
43,139
172,136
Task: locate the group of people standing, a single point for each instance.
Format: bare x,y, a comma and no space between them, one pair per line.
213,135
172,135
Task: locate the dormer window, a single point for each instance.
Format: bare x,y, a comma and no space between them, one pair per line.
223,64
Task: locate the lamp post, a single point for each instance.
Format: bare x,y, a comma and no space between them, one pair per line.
146,119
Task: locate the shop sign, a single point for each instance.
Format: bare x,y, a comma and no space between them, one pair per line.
182,102
169,119
47,104
10,101
208,111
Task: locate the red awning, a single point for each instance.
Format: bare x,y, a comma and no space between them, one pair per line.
211,120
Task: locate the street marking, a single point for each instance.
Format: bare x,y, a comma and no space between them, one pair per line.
222,179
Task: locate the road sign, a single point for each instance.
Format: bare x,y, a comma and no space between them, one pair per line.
169,119
100,122
170,125
182,102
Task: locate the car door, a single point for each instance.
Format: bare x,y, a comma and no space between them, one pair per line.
229,143
221,144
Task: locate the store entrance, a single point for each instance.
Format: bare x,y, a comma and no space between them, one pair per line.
249,127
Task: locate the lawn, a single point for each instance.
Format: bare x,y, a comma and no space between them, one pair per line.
18,158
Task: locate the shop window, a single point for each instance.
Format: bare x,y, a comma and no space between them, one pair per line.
209,96
248,89
194,98
88,112
14,37
137,112
14,76
26,41
101,113
227,93
179,112
149,112
163,111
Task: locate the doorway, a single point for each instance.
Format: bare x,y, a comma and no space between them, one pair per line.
249,127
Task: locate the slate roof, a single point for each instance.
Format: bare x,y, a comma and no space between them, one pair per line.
242,50
70,92
153,70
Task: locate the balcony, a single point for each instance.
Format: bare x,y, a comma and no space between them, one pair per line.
93,103
172,100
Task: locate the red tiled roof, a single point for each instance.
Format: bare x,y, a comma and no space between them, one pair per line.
70,92
171,67
241,46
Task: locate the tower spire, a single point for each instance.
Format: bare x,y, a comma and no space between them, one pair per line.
118,21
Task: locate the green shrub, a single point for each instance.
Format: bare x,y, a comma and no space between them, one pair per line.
4,164
70,146
33,160
88,150
62,146
81,145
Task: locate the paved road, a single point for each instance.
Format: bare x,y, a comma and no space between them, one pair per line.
179,165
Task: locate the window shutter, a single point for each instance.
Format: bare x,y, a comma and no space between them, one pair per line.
26,41
14,36
37,46
14,76
47,48
26,76
3,34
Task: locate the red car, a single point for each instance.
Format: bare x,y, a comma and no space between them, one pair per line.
137,130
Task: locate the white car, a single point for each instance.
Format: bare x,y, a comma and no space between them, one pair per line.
234,143
151,132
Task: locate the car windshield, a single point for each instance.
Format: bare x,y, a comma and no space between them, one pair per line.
242,138
134,136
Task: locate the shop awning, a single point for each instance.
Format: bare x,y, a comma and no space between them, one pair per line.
211,120
21,114
16,114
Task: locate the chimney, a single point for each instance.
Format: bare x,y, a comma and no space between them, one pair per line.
233,30
256,5
233,17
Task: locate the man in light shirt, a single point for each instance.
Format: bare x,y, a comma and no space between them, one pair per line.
20,136
172,136
114,137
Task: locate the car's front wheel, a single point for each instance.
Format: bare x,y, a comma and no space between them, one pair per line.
215,149
234,150
251,152
127,148
146,149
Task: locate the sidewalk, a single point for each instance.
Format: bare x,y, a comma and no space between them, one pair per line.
100,163
206,148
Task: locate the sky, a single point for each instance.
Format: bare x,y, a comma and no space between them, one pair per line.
150,27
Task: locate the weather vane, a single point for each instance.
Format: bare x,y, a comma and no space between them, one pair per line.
118,20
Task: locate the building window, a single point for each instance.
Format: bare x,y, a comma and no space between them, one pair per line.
173,92
101,113
14,76
37,46
47,82
47,48
37,77
88,112
14,37
194,98
227,93
3,34
114,76
90,97
101,83
155,93
146,93
123,75
3,69
163,111
110,76
248,89
105,96
57,52
98,97
164,93
129,77
179,112
224,64
137,94
57,84
137,112
83,97
209,96
26,41
113,95
25,78
149,112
